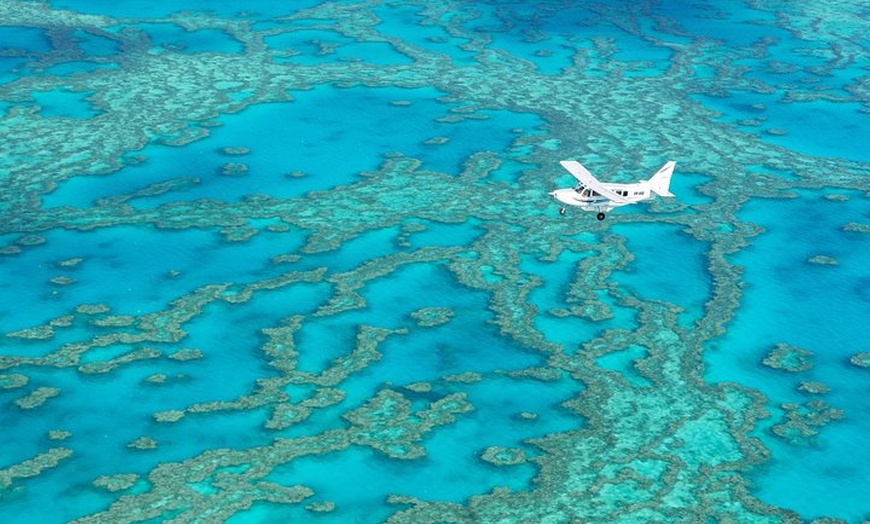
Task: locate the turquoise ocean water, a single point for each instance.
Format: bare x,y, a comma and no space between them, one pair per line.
297,263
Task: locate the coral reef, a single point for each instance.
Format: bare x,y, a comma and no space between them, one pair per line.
499,456
34,466
119,482
37,397
802,422
861,360
789,358
673,448
430,317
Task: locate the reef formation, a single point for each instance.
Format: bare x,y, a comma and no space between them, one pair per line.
650,442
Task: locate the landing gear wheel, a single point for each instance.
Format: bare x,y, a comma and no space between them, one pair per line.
600,216
562,211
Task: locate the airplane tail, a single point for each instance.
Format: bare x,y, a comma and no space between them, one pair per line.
661,181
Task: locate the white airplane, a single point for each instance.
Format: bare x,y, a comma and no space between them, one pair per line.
591,195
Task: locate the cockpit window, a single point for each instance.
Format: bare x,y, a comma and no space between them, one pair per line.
584,191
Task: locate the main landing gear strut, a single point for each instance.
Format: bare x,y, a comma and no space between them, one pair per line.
599,216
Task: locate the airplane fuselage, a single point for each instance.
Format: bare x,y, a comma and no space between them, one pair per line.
588,200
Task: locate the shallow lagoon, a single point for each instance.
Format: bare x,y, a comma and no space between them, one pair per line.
819,307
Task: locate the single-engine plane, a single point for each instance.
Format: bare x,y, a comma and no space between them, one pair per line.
591,195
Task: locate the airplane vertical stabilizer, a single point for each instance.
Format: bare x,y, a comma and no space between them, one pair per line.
661,181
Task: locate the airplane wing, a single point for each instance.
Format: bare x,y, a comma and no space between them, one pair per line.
585,177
